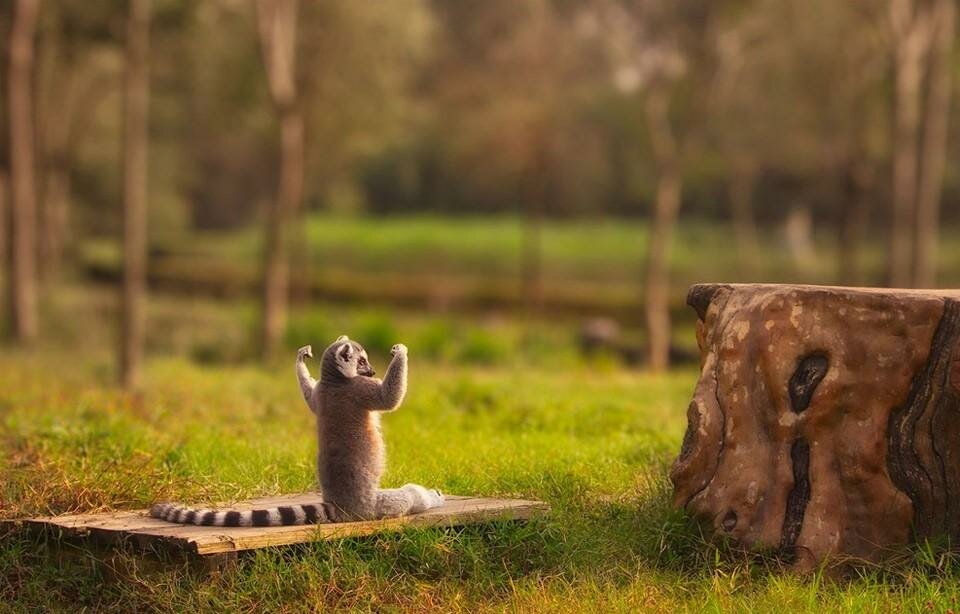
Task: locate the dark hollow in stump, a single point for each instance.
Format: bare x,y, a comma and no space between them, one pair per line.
826,421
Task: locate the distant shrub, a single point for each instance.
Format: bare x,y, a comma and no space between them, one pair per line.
435,340
472,397
377,333
552,350
313,327
604,361
222,349
484,347
206,353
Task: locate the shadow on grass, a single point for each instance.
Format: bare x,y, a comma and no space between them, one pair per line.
669,541
41,573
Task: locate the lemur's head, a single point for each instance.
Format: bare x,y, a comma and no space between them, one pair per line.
346,358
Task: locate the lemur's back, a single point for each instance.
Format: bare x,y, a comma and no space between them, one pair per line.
350,456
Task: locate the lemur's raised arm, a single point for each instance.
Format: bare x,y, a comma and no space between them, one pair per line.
307,383
388,394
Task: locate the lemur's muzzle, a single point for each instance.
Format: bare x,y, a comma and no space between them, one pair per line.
369,372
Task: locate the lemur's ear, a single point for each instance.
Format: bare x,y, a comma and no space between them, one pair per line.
342,338
345,352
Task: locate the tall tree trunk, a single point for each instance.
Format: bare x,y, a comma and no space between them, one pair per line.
136,98
666,206
911,28
4,228
58,76
857,180
70,89
54,217
23,208
276,275
277,29
744,224
934,151
532,251
532,273
50,113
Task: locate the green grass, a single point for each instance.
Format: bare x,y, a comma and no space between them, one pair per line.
489,412
598,250
594,443
589,266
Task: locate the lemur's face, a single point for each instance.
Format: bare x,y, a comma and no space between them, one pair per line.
351,359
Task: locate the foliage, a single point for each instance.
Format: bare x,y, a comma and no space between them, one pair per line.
411,105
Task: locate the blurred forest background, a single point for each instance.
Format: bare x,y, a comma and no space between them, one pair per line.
559,165
519,190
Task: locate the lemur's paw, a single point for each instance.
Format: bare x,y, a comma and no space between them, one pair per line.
305,352
398,349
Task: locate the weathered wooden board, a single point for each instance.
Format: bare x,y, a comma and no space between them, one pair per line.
147,532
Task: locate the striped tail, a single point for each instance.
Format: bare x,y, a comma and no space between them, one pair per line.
283,515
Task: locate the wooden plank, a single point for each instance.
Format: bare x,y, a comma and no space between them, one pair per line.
208,540
470,512
145,531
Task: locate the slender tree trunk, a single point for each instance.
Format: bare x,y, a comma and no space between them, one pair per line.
54,218
4,241
532,258
277,29
50,120
5,185
276,278
55,109
934,151
532,252
853,220
906,124
911,36
23,208
136,98
70,89
4,244
744,224
666,207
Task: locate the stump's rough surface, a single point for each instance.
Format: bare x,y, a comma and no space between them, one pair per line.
826,421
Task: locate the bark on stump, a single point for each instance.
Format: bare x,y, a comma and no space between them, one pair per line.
826,421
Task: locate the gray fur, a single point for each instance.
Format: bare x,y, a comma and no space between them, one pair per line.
347,402
351,454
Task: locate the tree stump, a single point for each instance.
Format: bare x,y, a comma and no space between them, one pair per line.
826,421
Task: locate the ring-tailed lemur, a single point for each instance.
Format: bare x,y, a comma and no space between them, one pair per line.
347,402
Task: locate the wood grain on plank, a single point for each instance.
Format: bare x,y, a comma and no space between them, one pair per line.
204,540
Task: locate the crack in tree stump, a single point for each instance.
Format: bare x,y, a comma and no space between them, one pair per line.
826,421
